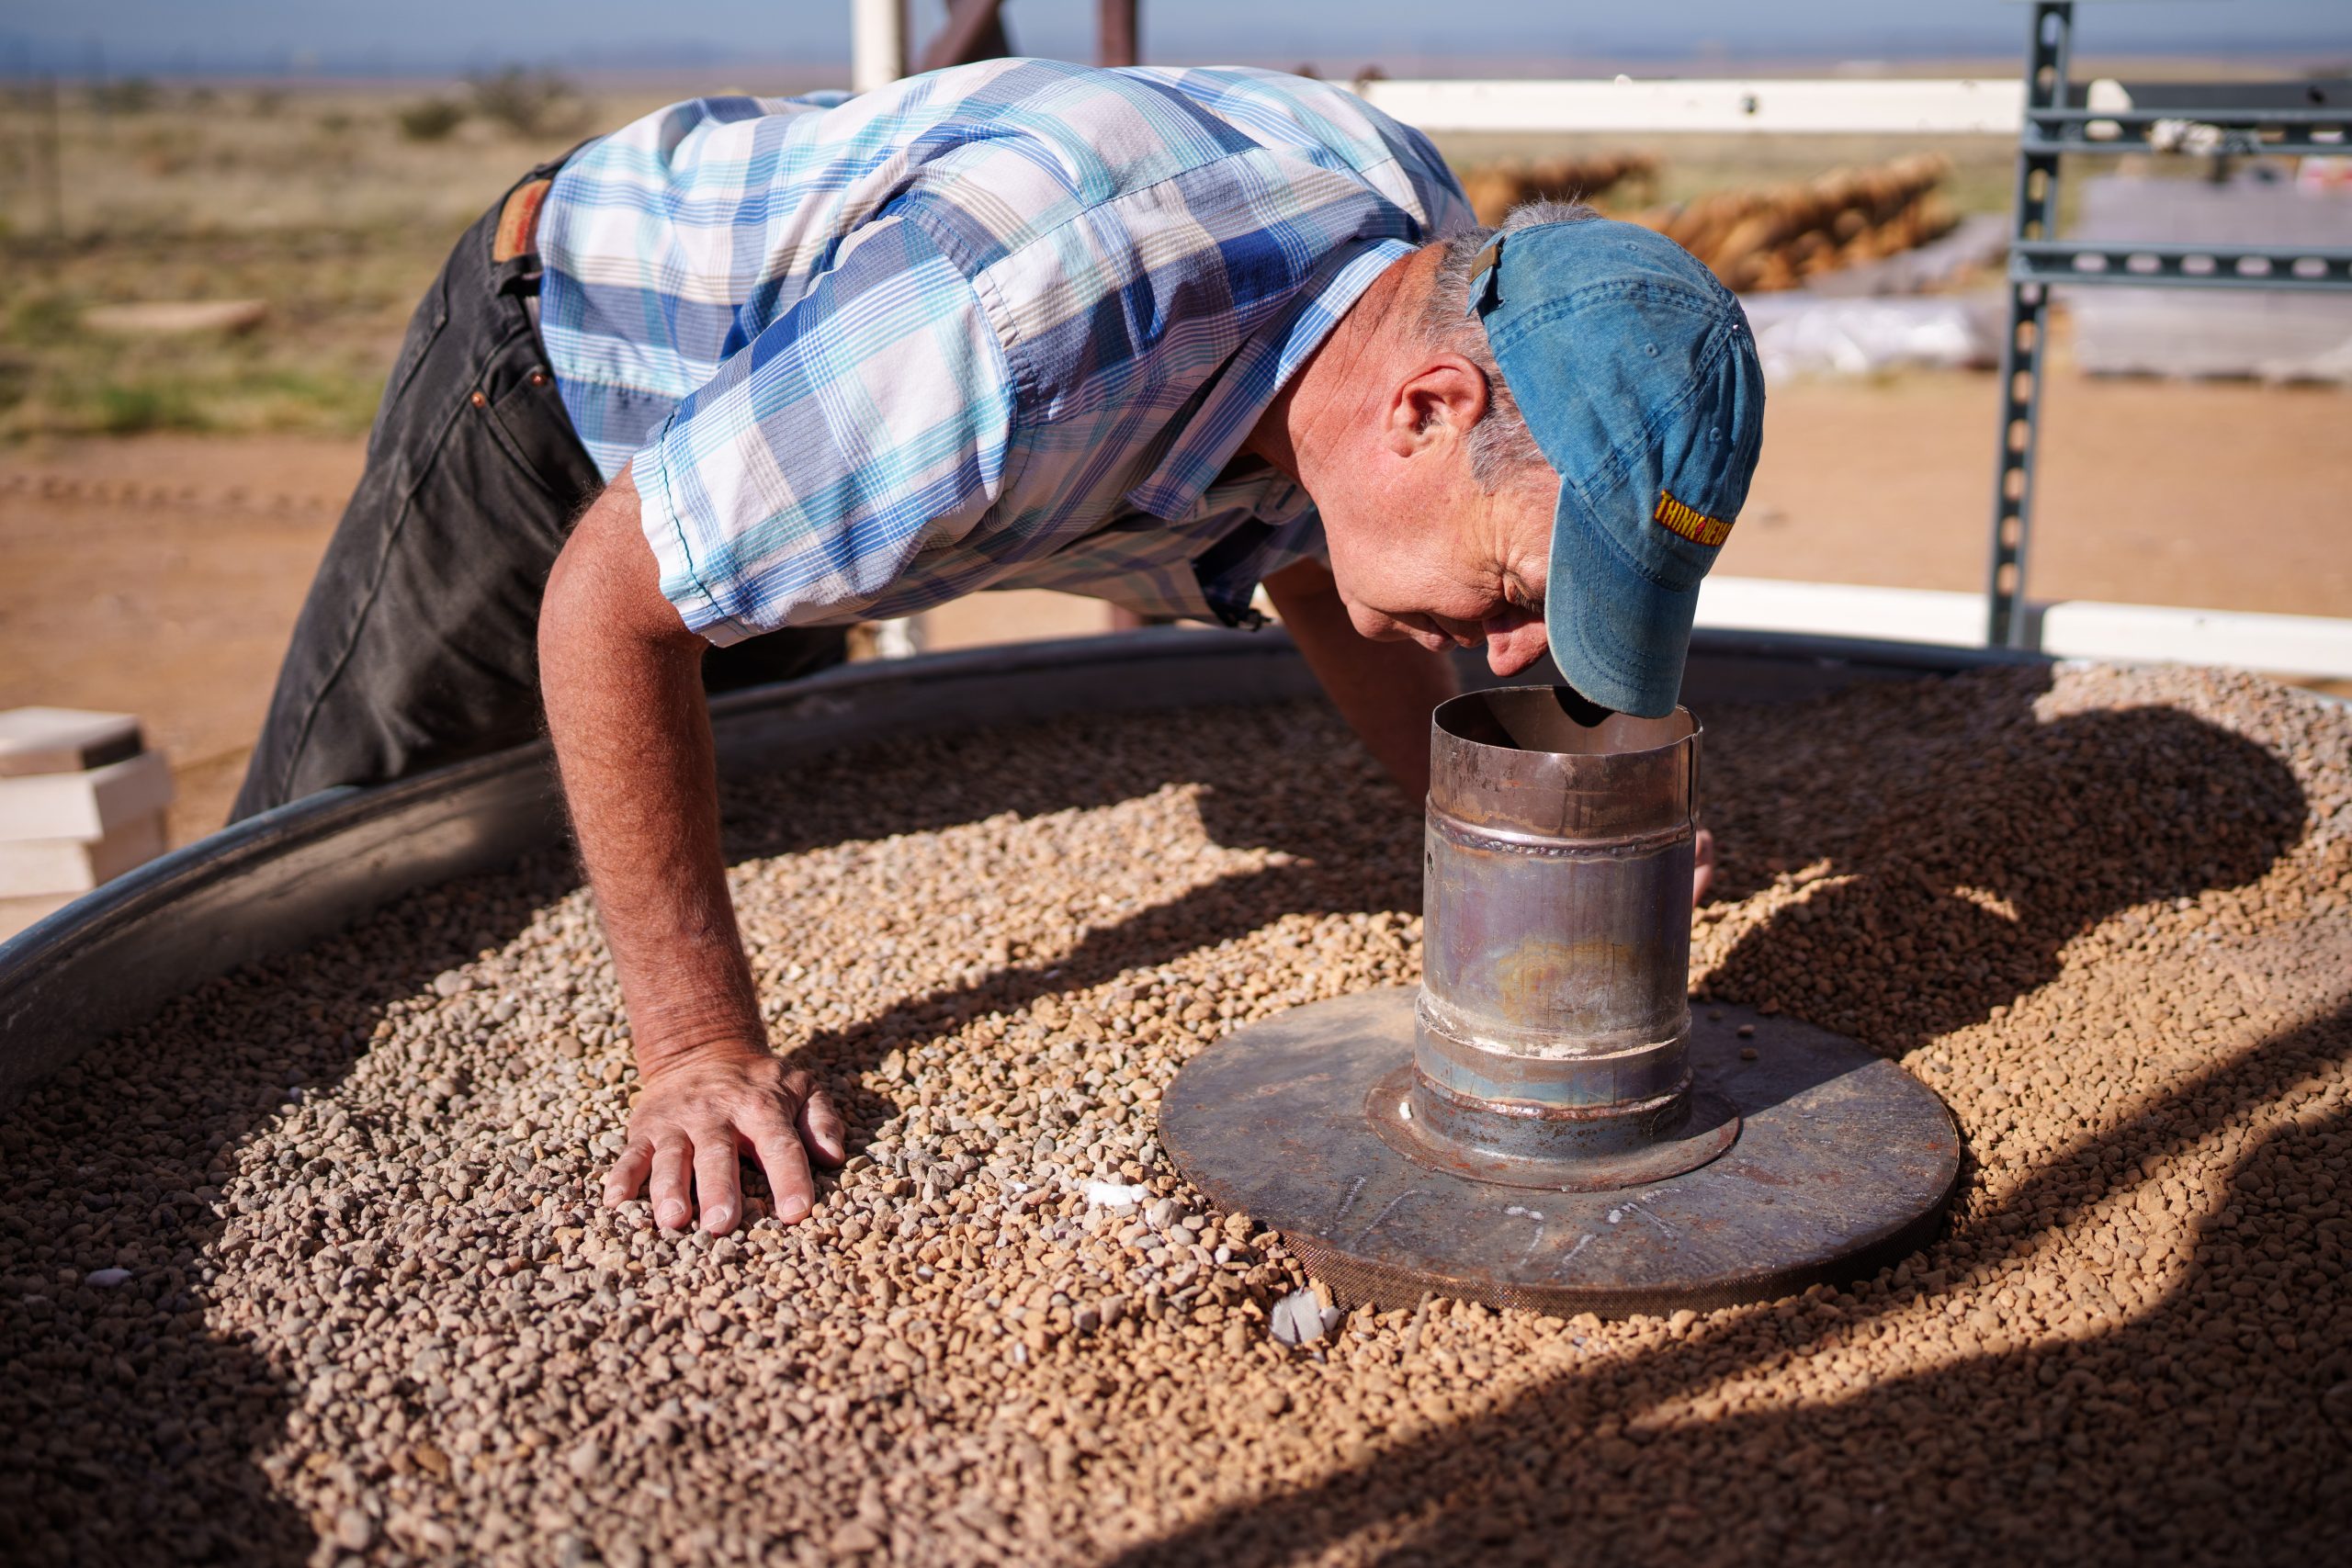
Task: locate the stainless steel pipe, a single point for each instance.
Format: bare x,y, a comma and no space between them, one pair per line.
1553,1026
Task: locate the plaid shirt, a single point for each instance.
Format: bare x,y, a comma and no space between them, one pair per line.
1001,326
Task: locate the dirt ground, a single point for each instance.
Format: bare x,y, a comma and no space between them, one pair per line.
160,575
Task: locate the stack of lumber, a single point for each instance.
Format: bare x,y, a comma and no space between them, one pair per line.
1757,240
1495,188
82,801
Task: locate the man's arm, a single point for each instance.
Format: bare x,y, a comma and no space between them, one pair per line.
1385,690
622,678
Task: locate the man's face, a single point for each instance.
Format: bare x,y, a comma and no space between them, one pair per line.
1421,554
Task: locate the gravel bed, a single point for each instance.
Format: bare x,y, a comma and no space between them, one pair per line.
310,1268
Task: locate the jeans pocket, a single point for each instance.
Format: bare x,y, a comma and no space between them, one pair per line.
530,426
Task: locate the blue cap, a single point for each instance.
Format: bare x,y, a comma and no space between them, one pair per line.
1637,376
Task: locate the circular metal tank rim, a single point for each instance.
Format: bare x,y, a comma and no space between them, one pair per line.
274,884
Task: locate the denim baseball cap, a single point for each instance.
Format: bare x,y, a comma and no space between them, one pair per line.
1636,374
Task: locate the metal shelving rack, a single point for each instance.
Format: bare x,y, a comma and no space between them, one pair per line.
2221,118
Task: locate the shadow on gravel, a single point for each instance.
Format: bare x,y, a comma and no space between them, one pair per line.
2034,839
129,1431
1339,861
2217,1424
106,1165
2200,1430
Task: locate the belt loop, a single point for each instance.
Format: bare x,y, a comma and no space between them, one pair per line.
516,277
514,245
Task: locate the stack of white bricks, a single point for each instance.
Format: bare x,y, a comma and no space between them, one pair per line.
82,800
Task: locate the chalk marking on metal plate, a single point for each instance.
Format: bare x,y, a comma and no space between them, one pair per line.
1521,1211
1633,1208
1582,1242
1383,1214
1355,1186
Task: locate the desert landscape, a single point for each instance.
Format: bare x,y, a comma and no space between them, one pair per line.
206,284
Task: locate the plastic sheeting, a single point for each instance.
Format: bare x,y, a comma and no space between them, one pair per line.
1804,334
2272,335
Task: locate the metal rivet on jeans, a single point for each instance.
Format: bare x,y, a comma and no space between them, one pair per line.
480,399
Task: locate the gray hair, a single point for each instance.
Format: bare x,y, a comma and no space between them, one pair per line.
1499,443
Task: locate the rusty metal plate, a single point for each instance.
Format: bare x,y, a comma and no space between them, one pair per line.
1843,1163
1709,1125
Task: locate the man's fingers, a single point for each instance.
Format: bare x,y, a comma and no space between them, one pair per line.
673,1183
629,1172
823,1128
718,1184
787,1164
1702,866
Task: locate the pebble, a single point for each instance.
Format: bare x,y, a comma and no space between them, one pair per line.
354,1531
1301,1318
1119,1196
2102,910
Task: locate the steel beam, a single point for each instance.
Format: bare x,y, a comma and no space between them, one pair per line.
2048,50
2140,264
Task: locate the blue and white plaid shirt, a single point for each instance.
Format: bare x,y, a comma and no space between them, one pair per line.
1001,326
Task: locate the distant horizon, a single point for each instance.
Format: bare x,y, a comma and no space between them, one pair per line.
820,70
333,40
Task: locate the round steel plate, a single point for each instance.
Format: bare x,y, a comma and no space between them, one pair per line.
1711,1126
1843,1163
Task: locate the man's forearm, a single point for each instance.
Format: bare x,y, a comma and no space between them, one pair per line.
632,736
1385,690
622,678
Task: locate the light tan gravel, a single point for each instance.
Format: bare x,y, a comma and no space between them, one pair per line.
369,1312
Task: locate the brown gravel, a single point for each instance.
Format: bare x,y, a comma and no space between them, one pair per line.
367,1312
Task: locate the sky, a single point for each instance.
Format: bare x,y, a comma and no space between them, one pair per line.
427,37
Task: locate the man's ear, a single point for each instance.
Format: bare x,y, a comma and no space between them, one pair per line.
1439,401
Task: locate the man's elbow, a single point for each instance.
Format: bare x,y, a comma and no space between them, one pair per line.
606,591
567,619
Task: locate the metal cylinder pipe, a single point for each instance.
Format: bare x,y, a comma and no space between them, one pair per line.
1554,1020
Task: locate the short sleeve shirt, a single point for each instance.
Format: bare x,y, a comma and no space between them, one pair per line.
1005,325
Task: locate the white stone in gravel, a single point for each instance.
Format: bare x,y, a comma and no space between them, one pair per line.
107,1279
1119,1196
1299,1318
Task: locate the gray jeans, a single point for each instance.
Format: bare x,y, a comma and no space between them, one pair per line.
418,644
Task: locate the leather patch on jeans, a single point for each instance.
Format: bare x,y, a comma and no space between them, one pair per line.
518,222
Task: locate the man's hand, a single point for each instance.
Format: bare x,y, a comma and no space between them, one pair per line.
622,677
693,1118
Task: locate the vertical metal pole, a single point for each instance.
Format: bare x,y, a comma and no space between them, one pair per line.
877,43
878,57
2048,50
1116,42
